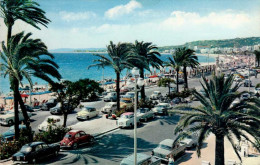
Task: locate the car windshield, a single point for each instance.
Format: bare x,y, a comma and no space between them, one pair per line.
26,149
164,147
156,93
141,110
126,101
124,116
160,106
68,136
86,109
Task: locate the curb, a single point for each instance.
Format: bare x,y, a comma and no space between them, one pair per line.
5,160
105,132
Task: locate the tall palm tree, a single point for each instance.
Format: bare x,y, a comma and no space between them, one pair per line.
190,60
25,10
22,58
119,57
220,116
257,57
176,62
149,55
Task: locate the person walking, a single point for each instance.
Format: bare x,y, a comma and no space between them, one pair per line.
171,160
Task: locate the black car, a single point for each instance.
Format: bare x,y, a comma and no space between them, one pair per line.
57,109
51,103
33,152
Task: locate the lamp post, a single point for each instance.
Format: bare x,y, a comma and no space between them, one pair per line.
248,73
140,83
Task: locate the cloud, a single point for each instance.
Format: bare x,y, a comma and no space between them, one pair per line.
72,16
120,10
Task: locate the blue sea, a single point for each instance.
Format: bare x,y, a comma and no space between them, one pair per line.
73,66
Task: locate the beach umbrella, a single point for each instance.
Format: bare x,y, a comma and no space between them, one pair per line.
153,76
24,95
8,98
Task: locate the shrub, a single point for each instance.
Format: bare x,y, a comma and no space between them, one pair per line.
182,94
146,104
257,85
52,135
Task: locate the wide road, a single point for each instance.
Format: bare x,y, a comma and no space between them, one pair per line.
39,116
113,147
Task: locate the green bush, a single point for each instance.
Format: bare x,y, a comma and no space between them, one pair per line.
52,135
182,94
257,85
146,104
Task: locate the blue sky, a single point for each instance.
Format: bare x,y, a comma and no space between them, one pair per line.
93,23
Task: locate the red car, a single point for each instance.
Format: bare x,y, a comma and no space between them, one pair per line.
74,138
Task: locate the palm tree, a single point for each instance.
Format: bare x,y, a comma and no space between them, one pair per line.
119,57
176,62
257,57
25,10
21,59
166,82
190,60
149,55
220,116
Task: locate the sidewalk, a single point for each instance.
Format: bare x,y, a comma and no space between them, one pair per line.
208,154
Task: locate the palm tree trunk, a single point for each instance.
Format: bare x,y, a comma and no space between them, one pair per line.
169,87
26,118
16,116
9,32
177,79
219,150
185,77
65,113
142,89
117,90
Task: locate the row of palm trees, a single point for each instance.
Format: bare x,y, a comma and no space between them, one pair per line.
23,57
143,55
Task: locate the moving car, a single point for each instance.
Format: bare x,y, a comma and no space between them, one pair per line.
156,95
8,117
142,159
33,152
145,114
49,104
161,108
75,138
127,120
109,107
9,134
50,121
87,113
57,109
110,97
167,147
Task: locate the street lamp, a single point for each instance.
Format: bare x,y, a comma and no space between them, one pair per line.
140,83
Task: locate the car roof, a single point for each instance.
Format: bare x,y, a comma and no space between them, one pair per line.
34,144
167,142
128,113
89,107
72,132
111,103
130,159
163,103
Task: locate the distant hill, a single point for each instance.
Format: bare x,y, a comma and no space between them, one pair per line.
237,42
70,50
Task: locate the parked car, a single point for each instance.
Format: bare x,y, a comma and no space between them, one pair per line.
156,95
27,108
49,104
130,95
75,138
145,114
127,120
8,117
50,121
109,107
161,108
110,97
248,83
9,134
142,159
33,152
87,113
167,147
57,109
238,79
191,141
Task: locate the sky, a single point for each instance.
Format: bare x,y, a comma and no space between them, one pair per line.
93,23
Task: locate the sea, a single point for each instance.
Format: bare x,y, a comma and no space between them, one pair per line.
74,66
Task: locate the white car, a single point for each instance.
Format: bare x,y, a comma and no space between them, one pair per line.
109,107
161,108
130,95
145,114
110,97
50,121
191,141
127,120
156,95
7,118
257,90
87,113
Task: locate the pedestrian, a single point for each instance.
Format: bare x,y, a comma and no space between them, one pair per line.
171,160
